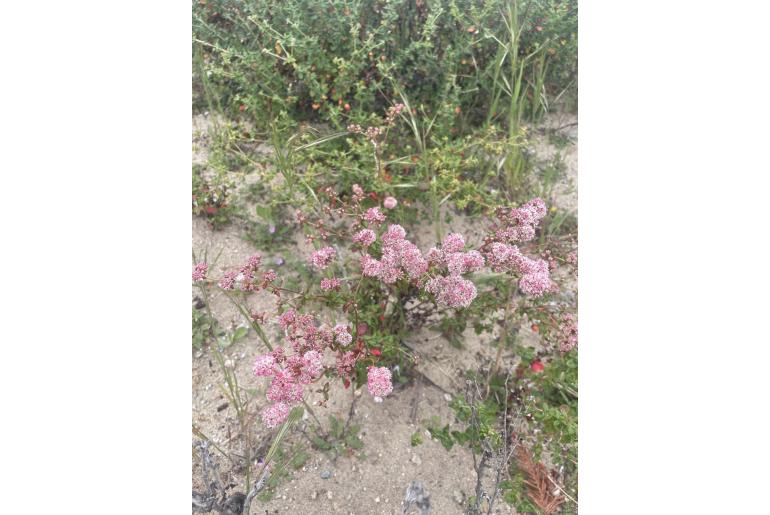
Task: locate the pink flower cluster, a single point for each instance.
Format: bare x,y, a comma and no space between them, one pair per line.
358,193
374,215
373,133
330,284
535,278
390,203
365,237
393,111
379,382
453,290
518,224
199,272
289,375
568,333
245,278
346,362
303,333
342,335
399,256
323,257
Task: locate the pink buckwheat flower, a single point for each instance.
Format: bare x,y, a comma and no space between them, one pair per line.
569,333
379,382
365,237
453,242
264,366
279,354
312,366
287,318
321,258
473,261
502,257
255,260
412,260
227,282
434,256
373,214
274,415
342,334
330,284
370,267
268,277
390,203
394,234
453,291
536,284
284,389
346,362
199,272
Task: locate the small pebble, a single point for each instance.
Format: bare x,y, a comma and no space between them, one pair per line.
314,495
376,499
329,494
448,397
326,474
416,459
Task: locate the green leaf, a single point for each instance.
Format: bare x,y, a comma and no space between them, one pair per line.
354,442
320,443
240,333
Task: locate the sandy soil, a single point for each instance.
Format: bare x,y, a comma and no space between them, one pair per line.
370,484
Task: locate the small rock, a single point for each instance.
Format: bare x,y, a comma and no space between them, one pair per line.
329,494
448,397
314,495
457,496
376,499
416,459
326,474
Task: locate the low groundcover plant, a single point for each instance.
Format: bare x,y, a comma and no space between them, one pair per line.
376,264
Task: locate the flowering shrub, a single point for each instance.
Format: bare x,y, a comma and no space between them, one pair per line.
377,265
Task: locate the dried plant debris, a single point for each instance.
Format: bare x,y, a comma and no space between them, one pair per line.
541,489
416,497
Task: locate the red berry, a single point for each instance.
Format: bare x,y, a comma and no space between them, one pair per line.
377,352
537,366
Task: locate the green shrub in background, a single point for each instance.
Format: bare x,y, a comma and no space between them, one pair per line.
346,61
